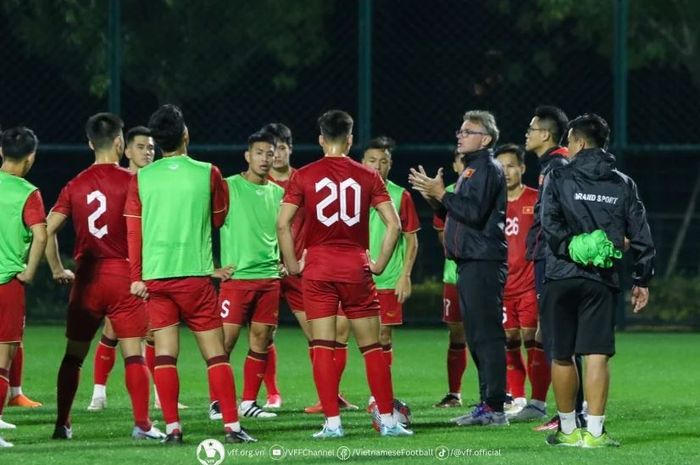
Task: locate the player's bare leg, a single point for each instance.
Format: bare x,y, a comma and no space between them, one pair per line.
596,385
456,365
259,337
7,352
105,357
17,398
565,384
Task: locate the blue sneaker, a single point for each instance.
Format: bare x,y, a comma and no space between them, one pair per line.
482,415
327,433
397,430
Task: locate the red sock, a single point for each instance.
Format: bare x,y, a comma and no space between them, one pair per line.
340,356
4,386
271,371
254,369
139,387
326,376
388,354
105,355
515,369
378,377
311,352
168,387
150,355
66,387
538,370
16,367
456,365
223,387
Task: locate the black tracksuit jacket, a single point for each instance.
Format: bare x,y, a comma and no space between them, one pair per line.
551,160
589,194
476,211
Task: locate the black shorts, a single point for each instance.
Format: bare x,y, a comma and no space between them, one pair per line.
578,317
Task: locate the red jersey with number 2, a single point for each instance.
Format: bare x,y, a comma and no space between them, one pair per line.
335,194
94,200
519,218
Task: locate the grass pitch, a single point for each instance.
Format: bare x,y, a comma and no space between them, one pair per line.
652,410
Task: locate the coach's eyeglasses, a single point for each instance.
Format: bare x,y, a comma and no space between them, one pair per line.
468,132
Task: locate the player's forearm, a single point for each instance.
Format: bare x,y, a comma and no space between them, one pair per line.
286,243
134,244
36,250
409,257
53,256
388,244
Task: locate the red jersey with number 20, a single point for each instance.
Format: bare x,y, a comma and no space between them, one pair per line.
335,194
95,199
519,218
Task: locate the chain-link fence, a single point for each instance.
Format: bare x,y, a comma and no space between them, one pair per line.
405,69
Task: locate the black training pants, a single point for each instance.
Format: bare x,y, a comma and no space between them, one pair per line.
480,286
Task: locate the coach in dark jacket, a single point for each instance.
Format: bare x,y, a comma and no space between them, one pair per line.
588,209
475,239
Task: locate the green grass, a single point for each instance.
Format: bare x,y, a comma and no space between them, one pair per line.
652,409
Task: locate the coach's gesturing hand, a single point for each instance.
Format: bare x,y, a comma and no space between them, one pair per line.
640,298
139,289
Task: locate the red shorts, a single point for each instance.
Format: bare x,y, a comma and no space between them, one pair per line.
291,291
101,289
11,311
322,299
390,310
450,304
257,299
520,311
193,299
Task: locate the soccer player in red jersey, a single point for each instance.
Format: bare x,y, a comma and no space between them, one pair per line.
140,151
519,296
451,316
394,284
336,194
94,200
22,242
171,264
291,288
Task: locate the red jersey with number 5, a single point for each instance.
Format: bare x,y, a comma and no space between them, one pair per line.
519,218
335,194
94,200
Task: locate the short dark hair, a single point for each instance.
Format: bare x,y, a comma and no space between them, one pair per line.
382,143
18,143
261,136
280,131
136,131
555,119
592,128
511,148
167,126
102,128
335,124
